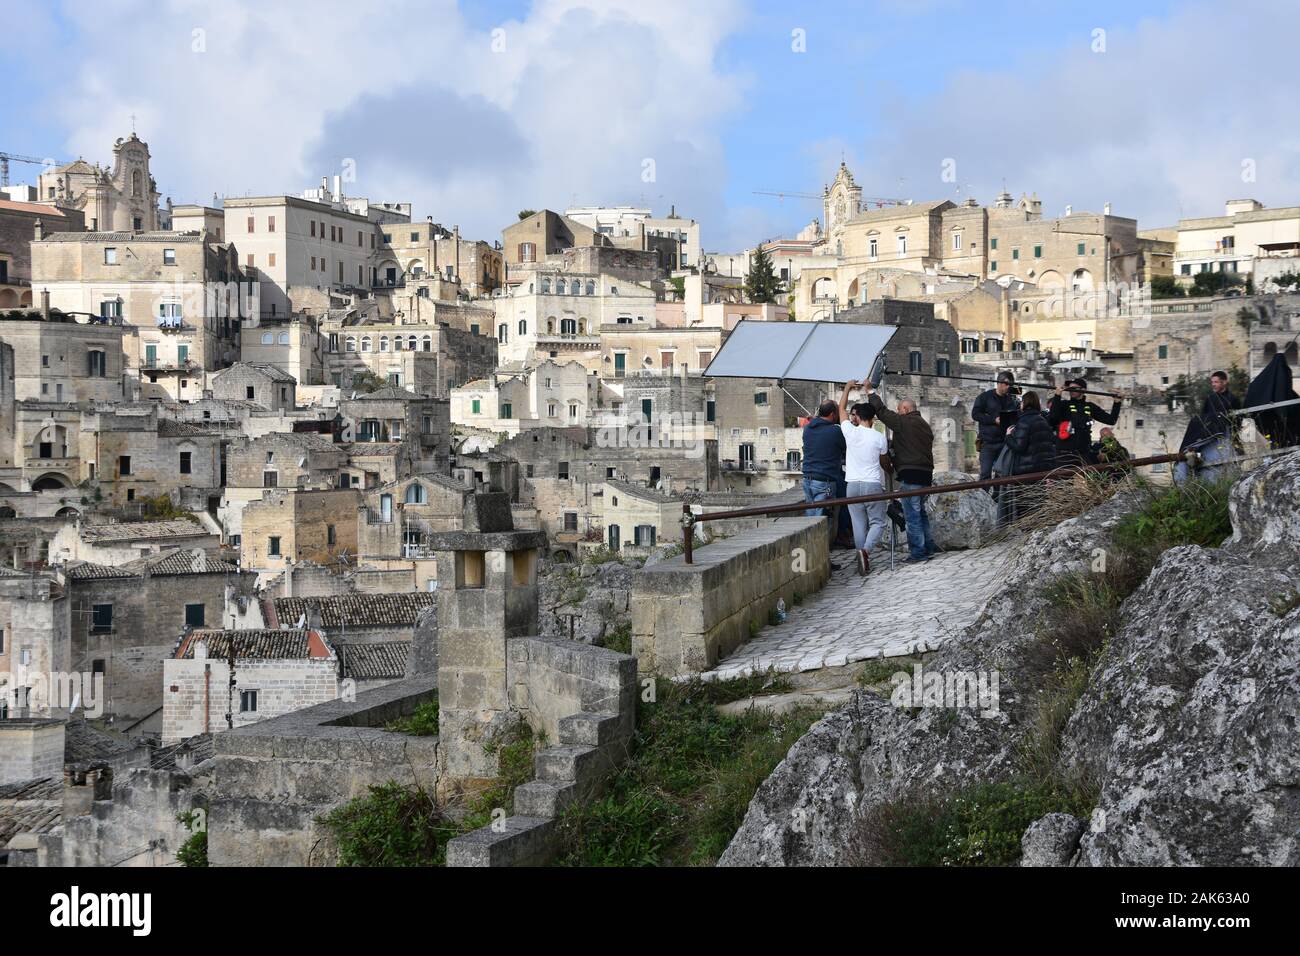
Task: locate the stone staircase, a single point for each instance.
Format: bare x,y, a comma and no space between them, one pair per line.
572,769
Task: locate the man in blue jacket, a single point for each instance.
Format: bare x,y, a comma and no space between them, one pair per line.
823,459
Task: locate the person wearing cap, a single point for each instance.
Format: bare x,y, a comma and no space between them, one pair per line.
996,411
1071,417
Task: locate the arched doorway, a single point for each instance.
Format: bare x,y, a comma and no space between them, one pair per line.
50,482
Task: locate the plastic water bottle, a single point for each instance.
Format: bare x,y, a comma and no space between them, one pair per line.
780,610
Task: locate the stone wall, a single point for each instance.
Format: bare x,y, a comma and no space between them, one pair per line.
273,779
685,617
30,748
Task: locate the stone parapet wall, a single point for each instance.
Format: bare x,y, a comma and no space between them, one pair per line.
685,617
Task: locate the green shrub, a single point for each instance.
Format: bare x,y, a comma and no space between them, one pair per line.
394,825
978,826
620,638
423,722
1195,512
194,851
691,772
877,670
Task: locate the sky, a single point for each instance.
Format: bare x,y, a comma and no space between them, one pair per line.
475,110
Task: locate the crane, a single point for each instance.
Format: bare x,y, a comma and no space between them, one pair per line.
878,201
5,159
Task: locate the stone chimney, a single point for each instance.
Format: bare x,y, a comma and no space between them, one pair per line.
38,230
81,788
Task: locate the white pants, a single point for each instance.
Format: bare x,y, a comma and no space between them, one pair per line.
868,519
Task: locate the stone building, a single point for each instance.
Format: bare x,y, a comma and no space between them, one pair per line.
59,359
125,617
624,223
421,424
1248,239
544,234
267,385
20,222
288,525
124,199
183,293
275,673
426,359
551,393
292,343
35,623
414,249
304,255
399,516
351,620
115,543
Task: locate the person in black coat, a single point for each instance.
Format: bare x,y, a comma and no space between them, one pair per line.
996,411
1033,442
1071,418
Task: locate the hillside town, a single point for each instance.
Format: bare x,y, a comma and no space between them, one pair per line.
268,463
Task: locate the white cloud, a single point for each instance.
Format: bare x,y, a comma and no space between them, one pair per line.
1160,122
581,95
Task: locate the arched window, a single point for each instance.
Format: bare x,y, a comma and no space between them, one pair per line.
591,287
523,327
427,345
559,286
568,327
411,343
352,344
268,338
383,343
503,333
550,326
397,343
365,343
546,286
415,494
582,326
284,338
135,182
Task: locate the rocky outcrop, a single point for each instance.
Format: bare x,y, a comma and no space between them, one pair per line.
962,519
1051,840
1188,721
595,596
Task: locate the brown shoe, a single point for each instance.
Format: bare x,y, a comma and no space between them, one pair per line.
864,563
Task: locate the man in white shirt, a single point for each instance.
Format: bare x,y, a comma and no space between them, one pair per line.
863,475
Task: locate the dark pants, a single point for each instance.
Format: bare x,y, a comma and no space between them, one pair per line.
988,454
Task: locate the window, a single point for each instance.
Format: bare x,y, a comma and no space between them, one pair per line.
1015,254
252,227
46,450
270,479
943,367
182,354
563,470
902,245
330,537
475,406
507,410
503,333
647,408
273,546
185,462
110,256
270,259
1162,352
1038,252
247,701
551,408
573,411
591,287
169,257
123,465
711,410
993,244
383,343
365,343
101,618
416,494
523,327
351,344
914,361
97,364
194,615
956,242
313,228
1080,252
527,252
873,249
644,534
571,521
993,265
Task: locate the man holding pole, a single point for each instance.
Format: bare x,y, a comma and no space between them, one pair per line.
913,454
1072,417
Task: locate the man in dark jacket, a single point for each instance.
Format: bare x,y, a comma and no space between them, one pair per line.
823,459
996,411
912,449
1071,417
1210,433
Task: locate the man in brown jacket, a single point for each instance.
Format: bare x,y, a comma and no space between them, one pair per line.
912,448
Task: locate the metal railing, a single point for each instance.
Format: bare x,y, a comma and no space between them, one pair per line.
689,518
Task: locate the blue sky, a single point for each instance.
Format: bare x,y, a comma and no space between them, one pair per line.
475,110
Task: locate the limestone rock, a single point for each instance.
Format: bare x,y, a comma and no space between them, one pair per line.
1051,840
963,519
596,596
1187,724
